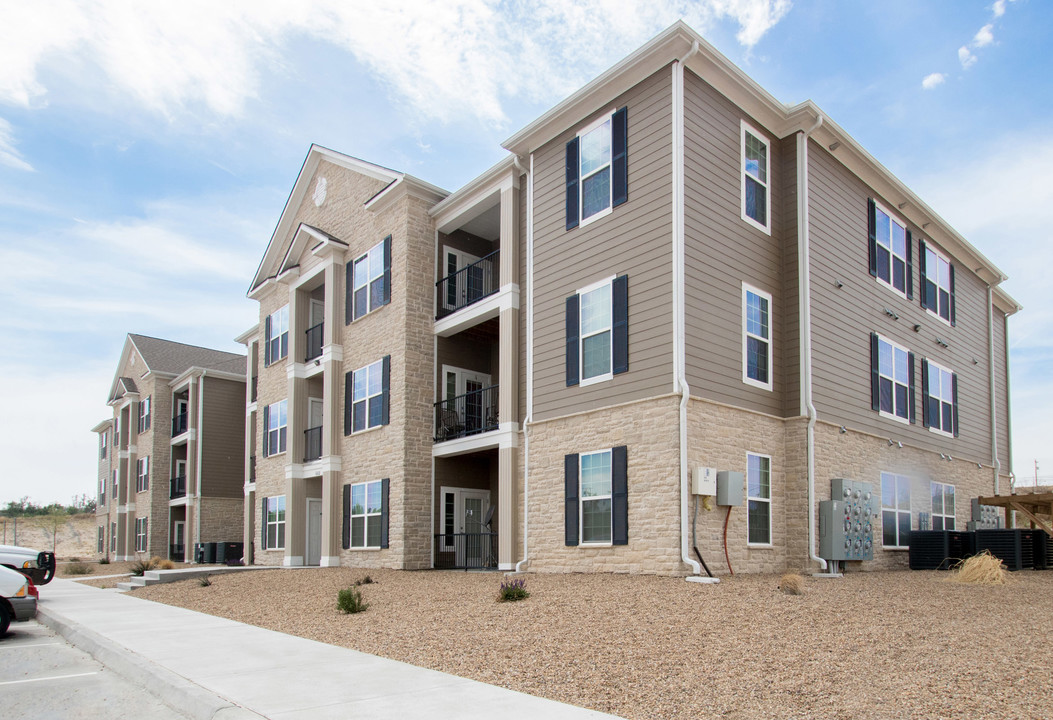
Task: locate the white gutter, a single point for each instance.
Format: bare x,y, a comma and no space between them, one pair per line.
1008,404
679,300
995,463
804,299
529,357
198,446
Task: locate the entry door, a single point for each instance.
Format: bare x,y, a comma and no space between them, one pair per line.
466,287
314,532
179,538
475,409
317,313
463,513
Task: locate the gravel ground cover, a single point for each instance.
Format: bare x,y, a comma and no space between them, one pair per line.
870,645
94,568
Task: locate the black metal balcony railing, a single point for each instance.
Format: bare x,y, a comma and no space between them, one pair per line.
312,444
179,424
469,414
178,487
253,387
314,342
176,553
468,551
252,468
468,285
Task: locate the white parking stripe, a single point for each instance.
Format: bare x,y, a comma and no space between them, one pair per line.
19,647
53,677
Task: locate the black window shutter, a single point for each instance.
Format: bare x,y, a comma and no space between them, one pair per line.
387,271
385,486
954,402
922,284
925,393
952,297
875,377
267,341
349,291
263,524
345,536
572,340
619,158
619,496
266,430
386,390
910,384
872,233
572,184
349,385
910,266
570,475
620,328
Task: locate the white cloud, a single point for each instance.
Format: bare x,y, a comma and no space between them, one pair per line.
983,36
998,9
966,58
9,156
932,80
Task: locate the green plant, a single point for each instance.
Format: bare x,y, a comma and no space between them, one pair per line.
512,590
204,581
140,566
77,568
104,561
367,580
350,601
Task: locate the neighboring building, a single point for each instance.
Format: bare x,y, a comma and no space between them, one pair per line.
672,270
172,473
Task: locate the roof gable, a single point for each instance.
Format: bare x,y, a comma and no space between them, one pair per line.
169,359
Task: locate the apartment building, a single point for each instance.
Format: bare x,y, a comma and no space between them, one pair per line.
171,457
671,271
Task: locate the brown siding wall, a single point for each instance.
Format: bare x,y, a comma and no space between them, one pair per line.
223,439
1002,392
634,240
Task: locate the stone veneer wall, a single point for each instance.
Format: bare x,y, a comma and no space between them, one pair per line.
222,519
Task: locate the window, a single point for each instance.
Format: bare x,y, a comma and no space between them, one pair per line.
366,396
597,326
103,444
890,251
756,337
276,345
369,281
144,415
756,187
758,494
895,510
366,510
939,399
937,284
274,523
596,494
140,534
892,379
142,482
116,485
102,491
274,427
113,537
942,506
116,430
597,169
101,543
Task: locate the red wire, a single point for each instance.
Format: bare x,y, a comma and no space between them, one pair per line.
726,518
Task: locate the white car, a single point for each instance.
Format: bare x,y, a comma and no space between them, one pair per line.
18,598
39,566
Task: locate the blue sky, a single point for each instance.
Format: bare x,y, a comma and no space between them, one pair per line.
163,138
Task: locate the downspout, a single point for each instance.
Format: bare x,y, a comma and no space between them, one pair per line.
995,462
529,357
679,301
1008,405
804,300
200,453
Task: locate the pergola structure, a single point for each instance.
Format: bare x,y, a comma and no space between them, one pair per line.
1030,505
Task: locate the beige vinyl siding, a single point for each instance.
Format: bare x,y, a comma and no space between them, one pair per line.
1002,392
634,239
723,251
843,318
223,438
788,353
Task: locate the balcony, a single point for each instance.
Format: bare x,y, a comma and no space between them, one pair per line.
312,444
466,551
314,342
469,414
178,487
468,285
179,424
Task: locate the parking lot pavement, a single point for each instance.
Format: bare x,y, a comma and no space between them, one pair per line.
43,676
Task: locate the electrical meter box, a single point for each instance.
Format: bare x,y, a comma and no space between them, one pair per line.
985,517
704,481
729,488
846,523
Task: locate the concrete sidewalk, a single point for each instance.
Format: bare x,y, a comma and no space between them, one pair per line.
209,667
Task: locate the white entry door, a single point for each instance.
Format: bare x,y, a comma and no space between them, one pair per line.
314,532
475,410
462,288
179,537
464,512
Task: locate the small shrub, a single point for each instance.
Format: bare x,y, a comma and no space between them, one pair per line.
204,581
792,584
78,568
104,561
350,601
367,580
140,566
165,565
512,590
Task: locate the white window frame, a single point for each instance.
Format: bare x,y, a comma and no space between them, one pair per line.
102,491
367,397
141,539
117,430
945,490
116,484
113,537
367,517
896,347
142,474
890,283
101,543
104,439
758,498
746,335
746,128
279,329
144,415
609,497
609,329
939,396
281,408
278,526
371,255
897,510
595,125
940,258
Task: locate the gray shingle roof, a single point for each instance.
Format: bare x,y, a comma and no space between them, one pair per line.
173,358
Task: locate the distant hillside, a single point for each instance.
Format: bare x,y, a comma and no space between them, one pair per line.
76,536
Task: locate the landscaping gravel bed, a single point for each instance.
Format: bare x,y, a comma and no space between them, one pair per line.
870,645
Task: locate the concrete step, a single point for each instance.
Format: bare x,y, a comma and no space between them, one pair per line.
125,586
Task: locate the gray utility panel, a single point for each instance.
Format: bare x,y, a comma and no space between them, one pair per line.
985,517
846,523
729,488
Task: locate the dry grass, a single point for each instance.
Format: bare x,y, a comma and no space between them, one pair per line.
94,568
981,569
868,646
792,584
